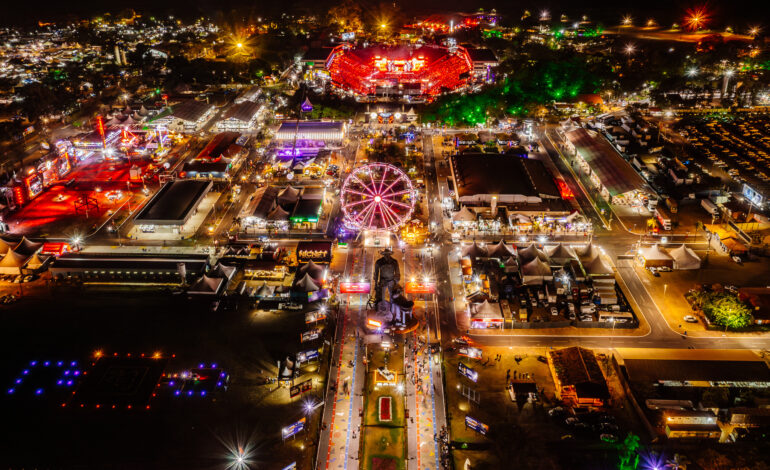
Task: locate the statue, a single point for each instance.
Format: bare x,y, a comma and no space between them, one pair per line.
386,276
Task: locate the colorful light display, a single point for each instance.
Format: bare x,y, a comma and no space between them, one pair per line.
377,196
427,71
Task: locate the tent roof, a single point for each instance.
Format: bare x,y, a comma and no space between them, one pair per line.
35,261
288,194
306,284
222,271
588,252
501,250
206,285
264,290
561,251
278,214
487,310
654,252
311,268
597,266
4,246
536,267
27,246
12,259
685,257
531,252
475,251
464,215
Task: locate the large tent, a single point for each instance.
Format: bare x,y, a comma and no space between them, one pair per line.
531,252
288,195
501,251
535,272
306,284
27,246
475,251
35,262
206,286
684,257
12,262
510,265
486,310
264,291
597,267
223,272
278,214
4,246
588,252
654,256
315,271
464,216
561,253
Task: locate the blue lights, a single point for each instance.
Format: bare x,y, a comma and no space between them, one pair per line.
10,391
39,391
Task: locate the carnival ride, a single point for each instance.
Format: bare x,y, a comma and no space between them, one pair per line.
377,196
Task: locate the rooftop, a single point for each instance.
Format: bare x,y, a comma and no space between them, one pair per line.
173,203
498,174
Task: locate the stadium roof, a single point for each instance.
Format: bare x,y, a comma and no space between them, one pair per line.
174,203
485,173
613,171
312,130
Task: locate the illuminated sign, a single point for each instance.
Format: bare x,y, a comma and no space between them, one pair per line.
100,126
486,323
310,335
301,388
307,356
467,372
473,353
312,317
293,429
476,425
355,287
420,288
374,323
752,195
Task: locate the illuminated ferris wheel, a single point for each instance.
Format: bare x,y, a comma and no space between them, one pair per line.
377,196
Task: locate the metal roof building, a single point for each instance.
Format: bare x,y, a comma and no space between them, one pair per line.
327,131
613,175
174,203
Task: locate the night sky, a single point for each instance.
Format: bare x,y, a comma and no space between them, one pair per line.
736,12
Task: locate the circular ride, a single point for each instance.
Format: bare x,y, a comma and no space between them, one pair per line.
377,196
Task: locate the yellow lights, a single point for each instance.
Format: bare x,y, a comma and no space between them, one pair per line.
98,353
383,25
156,355
239,45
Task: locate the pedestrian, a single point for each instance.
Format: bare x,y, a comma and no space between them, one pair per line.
508,375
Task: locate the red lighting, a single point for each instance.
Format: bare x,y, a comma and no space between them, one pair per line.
564,190
100,126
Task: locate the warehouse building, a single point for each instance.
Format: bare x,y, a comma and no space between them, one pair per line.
172,206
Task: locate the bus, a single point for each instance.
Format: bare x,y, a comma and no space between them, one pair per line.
663,217
617,317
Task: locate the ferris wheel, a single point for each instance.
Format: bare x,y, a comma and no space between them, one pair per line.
377,196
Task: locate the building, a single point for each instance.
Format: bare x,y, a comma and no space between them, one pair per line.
578,377
691,424
759,299
187,116
307,138
613,176
125,269
486,182
173,205
240,117
483,63
221,156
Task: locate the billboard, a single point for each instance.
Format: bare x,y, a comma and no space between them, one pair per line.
473,353
486,323
752,195
355,287
420,288
307,356
310,335
301,388
293,429
476,425
468,372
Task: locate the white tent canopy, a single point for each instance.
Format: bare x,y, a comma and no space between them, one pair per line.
206,286
597,267
535,272
654,253
561,252
588,252
464,215
486,310
278,214
306,284
685,258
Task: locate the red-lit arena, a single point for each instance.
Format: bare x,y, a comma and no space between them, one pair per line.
399,71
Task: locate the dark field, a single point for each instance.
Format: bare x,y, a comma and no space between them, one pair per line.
176,432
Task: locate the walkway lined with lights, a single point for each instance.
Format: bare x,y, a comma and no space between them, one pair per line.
422,426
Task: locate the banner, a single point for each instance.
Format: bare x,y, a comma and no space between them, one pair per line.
477,426
468,372
301,388
310,335
307,356
355,287
420,288
293,429
473,353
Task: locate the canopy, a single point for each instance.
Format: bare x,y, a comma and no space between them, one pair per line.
288,194
4,246
464,215
206,285
510,265
315,271
531,252
588,252
264,290
35,262
520,219
561,252
27,247
487,310
501,250
597,266
654,253
684,257
475,251
222,271
535,272
306,284
278,214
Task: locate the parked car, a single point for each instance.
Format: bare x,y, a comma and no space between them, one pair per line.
609,438
690,319
554,312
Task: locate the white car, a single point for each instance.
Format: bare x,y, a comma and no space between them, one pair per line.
690,319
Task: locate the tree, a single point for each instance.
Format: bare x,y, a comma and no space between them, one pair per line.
726,309
347,16
629,457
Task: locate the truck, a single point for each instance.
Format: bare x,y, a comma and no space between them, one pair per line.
663,217
673,206
709,206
